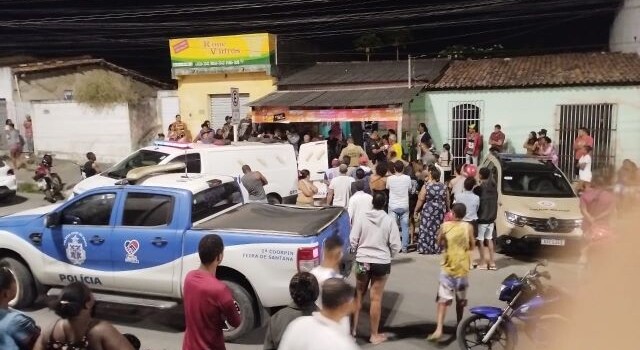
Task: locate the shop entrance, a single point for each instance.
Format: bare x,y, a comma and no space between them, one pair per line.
220,107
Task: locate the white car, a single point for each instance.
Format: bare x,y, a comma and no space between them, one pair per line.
8,182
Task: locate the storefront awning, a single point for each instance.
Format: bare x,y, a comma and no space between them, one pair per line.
359,98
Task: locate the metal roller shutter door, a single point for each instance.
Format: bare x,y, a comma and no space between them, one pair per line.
220,106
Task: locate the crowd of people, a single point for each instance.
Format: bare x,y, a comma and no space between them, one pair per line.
394,203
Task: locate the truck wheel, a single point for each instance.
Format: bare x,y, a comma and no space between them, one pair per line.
24,283
247,312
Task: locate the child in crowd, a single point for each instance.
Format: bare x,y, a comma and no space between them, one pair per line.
584,165
457,239
471,202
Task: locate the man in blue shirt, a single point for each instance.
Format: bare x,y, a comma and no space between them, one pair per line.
17,331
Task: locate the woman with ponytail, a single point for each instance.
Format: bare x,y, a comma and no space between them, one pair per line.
76,329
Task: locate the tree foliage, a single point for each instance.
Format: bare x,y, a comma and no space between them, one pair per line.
100,89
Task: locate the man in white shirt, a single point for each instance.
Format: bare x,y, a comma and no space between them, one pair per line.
359,203
472,202
340,188
584,165
323,329
399,186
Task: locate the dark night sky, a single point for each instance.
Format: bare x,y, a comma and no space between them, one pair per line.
134,33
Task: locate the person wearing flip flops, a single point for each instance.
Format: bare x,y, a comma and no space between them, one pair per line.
488,193
456,237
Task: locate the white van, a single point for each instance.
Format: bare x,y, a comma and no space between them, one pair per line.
276,161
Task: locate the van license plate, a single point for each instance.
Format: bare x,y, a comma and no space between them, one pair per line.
548,241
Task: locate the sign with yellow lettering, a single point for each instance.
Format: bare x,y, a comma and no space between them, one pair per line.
239,53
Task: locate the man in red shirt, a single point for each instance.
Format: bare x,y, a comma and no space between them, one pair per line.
496,139
583,139
207,301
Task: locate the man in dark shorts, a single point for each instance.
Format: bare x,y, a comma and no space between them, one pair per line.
207,301
375,239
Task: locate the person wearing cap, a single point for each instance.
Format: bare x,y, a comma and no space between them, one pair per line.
353,151
340,188
474,145
364,165
332,172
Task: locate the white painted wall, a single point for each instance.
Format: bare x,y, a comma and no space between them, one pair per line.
168,106
520,111
625,31
70,130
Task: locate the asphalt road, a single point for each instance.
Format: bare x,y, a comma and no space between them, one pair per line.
408,303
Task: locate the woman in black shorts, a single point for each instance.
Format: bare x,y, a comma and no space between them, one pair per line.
375,238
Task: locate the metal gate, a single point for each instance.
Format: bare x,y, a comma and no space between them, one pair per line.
600,119
220,107
461,115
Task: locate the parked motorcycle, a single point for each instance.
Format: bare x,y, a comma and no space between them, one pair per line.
48,182
531,306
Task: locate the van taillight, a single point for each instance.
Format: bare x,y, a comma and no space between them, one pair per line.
10,172
308,258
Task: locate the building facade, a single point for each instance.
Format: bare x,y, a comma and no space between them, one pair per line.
559,93
46,90
207,68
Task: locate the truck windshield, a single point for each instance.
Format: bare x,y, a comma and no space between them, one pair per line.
536,184
214,200
137,159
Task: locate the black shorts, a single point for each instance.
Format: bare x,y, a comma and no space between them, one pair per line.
474,224
372,270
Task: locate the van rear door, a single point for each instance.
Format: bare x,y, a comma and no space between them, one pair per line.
313,157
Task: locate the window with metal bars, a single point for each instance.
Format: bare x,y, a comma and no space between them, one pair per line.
600,119
462,114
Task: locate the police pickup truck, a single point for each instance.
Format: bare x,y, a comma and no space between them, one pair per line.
134,243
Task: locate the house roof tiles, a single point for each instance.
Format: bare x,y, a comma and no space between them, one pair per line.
338,98
49,65
546,70
366,72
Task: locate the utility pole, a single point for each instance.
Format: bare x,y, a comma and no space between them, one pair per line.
409,71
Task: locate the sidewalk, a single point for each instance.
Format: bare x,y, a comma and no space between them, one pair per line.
68,171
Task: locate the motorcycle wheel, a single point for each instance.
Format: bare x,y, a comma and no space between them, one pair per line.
56,183
472,329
